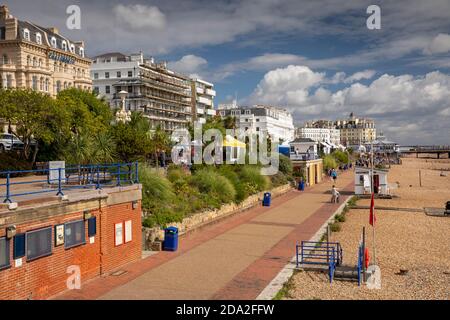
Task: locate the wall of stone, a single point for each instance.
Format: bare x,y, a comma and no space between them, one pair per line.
150,235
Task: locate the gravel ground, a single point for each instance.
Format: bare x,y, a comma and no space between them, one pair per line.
405,240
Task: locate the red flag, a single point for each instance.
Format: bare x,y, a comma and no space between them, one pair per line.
372,218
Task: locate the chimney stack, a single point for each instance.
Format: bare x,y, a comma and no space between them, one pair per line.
4,12
10,23
54,30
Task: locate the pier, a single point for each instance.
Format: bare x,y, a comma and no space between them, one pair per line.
438,150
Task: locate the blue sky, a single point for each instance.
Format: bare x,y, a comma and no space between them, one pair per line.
316,58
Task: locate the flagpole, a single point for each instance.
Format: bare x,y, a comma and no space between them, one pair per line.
373,213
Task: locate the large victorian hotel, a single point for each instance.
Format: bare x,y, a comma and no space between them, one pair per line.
40,58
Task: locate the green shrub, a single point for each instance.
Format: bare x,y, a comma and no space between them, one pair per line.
340,156
285,165
157,191
10,161
340,217
279,179
335,227
216,189
162,217
329,162
352,201
228,172
175,173
253,180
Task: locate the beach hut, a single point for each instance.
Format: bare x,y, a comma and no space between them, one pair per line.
362,181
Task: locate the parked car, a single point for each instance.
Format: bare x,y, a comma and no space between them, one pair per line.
9,142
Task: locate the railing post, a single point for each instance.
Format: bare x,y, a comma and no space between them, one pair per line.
98,178
8,192
59,193
296,254
118,175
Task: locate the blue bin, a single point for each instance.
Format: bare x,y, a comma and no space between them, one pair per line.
266,199
301,185
170,239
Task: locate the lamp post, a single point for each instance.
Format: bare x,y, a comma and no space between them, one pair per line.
122,115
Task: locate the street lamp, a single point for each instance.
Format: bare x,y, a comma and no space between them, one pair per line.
122,115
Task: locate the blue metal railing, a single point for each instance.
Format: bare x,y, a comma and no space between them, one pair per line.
360,263
319,253
332,265
72,177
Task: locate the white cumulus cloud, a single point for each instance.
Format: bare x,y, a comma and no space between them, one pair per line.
190,64
140,16
440,44
411,109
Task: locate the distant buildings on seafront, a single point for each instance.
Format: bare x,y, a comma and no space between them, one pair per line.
351,132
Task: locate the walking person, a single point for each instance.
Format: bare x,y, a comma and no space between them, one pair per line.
162,158
334,195
334,174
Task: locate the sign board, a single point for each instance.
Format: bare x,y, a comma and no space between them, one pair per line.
61,57
118,228
128,231
53,174
59,235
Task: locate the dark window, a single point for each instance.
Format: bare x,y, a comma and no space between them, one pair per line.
107,75
107,89
73,234
2,33
119,74
96,90
92,227
19,246
130,89
4,253
39,243
130,74
95,75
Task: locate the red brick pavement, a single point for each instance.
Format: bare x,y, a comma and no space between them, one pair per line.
100,286
252,281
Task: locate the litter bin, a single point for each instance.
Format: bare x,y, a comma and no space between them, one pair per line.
266,199
301,185
170,239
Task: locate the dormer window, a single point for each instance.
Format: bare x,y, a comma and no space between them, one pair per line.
81,52
38,38
53,42
64,45
26,34
72,48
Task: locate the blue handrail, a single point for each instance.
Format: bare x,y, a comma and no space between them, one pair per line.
71,177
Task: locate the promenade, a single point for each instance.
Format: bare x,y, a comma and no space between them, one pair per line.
232,259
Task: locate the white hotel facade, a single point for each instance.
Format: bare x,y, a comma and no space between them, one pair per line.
270,120
329,137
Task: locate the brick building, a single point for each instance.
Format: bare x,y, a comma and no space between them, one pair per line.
41,245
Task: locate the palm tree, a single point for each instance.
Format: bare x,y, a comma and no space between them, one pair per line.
104,148
80,151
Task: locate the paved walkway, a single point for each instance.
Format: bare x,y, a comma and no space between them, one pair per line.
233,259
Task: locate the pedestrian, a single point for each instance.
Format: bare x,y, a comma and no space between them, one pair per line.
334,174
334,195
162,158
